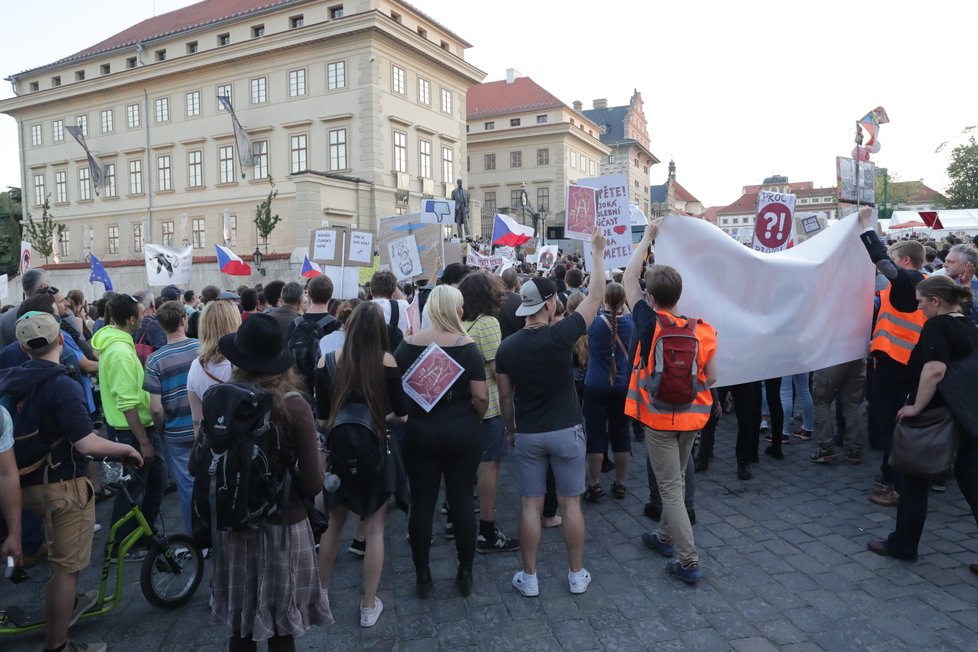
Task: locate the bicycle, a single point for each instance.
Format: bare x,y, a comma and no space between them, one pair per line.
170,573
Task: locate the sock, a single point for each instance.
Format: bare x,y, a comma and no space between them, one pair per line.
575,575
487,528
529,579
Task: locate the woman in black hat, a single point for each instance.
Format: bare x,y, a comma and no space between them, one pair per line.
263,590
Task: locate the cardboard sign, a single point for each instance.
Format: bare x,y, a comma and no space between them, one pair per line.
326,245
453,253
345,281
431,376
581,212
846,169
360,249
426,236
772,227
405,260
808,225
613,218
547,258
438,211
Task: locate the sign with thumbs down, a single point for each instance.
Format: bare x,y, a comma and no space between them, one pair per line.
438,211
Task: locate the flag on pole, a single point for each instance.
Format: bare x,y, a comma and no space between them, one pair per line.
93,165
230,263
99,275
506,231
310,269
245,157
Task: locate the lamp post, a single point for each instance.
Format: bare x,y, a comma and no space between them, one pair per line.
257,257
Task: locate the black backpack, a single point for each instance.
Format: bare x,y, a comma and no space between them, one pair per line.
394,333
304,345
239,478
356,453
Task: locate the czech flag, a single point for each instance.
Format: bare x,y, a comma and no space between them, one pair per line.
310,269
230,263
506,231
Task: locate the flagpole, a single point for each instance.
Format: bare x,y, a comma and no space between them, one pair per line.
343,262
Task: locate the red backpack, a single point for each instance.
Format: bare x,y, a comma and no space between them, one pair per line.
674,380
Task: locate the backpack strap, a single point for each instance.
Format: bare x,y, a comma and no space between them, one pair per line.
298,320
325,320
210,375
329,361
395,313
607,323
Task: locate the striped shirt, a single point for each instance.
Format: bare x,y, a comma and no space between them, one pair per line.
166,375
487,334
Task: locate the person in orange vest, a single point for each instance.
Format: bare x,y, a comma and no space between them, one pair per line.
897,330
670,430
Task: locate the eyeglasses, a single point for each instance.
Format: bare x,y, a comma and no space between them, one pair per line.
51,290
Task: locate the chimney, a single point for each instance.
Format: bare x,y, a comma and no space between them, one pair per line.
512,74
600,104
578,105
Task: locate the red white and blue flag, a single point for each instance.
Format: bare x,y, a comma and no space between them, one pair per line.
506,231
310,269
230,263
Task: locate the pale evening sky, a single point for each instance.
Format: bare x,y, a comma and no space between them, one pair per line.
734,91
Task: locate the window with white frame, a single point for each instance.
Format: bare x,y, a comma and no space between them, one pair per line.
489,201
162,109
259,154
446,100
137,238
488,162
38,189
58,130
35,135
225,163
399,80
489,126
335,75
258,95
298,150
84,184
132,115
223,90
64,242
448,163
82,122
167,233
425,150
233,231
337,149
106,119
541,119
336,12
163,170
573,159
195,168
296,21
297,82
113,239
400,151
135,177
543,199
193,104
514,198
543,156
424,91
516,159
199,231
60,187
108,177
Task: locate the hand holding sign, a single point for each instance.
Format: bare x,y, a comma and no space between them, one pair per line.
434,211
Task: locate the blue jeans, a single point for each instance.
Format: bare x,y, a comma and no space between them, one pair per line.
178,461
147,486
799,383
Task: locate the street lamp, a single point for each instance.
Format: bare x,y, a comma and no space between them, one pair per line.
257,257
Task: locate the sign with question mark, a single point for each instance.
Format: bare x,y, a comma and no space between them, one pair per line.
772,226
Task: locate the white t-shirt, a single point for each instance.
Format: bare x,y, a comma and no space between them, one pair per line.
332,342
199,382
385,305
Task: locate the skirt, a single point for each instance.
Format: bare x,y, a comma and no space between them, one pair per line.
261,589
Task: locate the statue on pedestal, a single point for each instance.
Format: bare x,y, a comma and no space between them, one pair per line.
461,198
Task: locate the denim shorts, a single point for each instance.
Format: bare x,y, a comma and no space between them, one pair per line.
493,440
563,450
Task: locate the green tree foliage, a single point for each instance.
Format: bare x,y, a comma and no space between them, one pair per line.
963,173
10,214
891,193
265,221
41,234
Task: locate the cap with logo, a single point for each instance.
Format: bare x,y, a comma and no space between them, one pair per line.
37,329
534,294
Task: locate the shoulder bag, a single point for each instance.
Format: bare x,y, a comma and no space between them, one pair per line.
926,446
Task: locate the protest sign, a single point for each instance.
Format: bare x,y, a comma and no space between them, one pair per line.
509,253
613,218
4,287
326,245
427,237
405,261
360,250
414,314
808,225
546,258
453,253
438,211
430,377
168,265
772,228
581,212
475,259
846,169
25,257
345,281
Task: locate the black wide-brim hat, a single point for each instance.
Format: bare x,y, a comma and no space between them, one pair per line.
258,347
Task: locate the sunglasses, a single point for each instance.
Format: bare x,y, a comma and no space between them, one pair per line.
51,290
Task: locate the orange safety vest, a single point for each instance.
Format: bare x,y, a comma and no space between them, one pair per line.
896,333
638,401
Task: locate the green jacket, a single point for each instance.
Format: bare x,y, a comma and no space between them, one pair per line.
120,377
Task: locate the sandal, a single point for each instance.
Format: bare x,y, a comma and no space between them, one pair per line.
618,490
593,493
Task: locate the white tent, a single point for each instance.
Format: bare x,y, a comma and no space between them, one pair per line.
946,221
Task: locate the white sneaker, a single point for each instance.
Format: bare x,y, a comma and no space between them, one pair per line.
525,586
578,581
368,617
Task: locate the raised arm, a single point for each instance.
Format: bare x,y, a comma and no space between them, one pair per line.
595,287
633,287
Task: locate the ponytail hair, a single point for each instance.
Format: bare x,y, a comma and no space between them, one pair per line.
614,300
945,289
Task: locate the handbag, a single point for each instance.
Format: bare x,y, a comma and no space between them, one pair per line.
960,392
926,446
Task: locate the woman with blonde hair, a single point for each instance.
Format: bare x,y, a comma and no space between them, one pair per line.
445,441
218,319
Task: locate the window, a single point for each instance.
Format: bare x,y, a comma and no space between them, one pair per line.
296,21
336,12
297,145
38,189
336,75
108,175
489,201
132,115
195,169
80,75
168,233
422,32
225,157
337,149
448,163
398,81
223,39
106,119
400,151
396,17
58,130
65,242
35,86
192,47
161,55
489,161
543,199
137,238
131,62
258,31
592,167
446,100
223,91
56,81
514,198
163,109
259,154
541,119
35,135
135,177
163,179
445,46
297,83
543,157
258,95
82,122
516,159
424,91
573,159
60,187
488,126
514,122
113,239
425,150
583,167
735,220
84,184
198,232
193,104
232,234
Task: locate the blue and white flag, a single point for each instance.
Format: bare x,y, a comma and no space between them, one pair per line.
93,165
99,275
245,156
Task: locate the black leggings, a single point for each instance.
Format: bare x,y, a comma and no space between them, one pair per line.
432,452
747,406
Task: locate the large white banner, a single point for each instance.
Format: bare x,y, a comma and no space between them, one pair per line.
168,265
789,312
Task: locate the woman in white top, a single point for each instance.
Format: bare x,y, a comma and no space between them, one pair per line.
334,341
217,320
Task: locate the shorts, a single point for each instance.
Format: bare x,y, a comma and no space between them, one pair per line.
70,529
605,420
493,440
563,450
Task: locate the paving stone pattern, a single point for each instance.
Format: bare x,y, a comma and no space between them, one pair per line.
783,556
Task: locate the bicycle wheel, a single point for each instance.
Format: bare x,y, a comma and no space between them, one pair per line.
170,575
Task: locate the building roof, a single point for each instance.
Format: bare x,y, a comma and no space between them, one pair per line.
815,192
683,194
499,98
916,192
747,203
659,193
710,215
612,122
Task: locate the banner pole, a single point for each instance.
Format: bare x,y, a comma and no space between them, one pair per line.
343,263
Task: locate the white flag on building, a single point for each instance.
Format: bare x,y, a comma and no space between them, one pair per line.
168,265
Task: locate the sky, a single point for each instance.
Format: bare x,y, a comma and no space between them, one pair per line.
734,91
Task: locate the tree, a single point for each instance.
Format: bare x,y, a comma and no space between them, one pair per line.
265,222
963,173
891,192
40,234
10,214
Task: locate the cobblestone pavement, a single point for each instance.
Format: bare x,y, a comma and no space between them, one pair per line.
783,556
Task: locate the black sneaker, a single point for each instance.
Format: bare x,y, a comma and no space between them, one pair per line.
498,543
823,455
358,548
